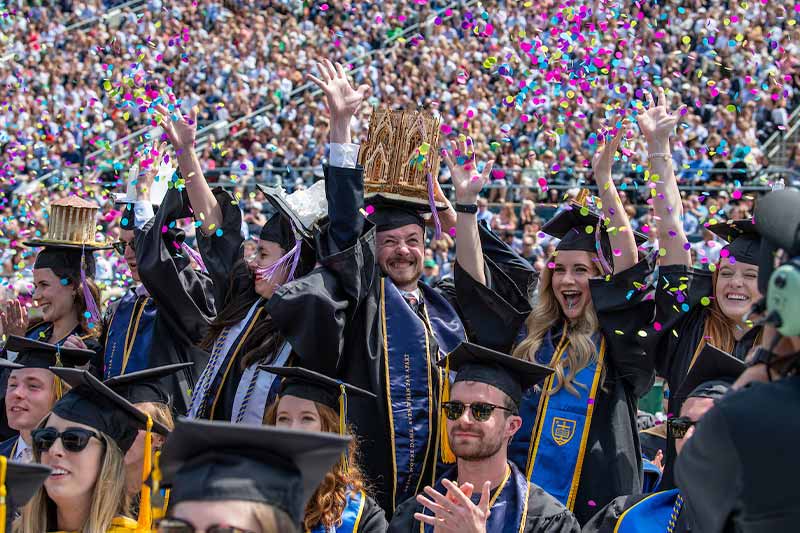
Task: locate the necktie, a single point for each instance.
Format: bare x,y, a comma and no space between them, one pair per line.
413,303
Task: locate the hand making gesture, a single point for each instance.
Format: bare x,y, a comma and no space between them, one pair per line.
464,171
455,512
657,123
342,100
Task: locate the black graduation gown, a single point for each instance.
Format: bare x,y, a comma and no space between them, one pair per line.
373,519
612,464
544,513
674,346
183,298
739,470
607,519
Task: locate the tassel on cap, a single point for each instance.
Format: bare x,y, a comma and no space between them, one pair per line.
447,453
3,492
343,421
58,385
144,521
158,508
91,305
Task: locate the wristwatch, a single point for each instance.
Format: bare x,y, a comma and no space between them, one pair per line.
470,209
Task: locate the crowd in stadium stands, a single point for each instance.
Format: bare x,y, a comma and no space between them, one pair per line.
56,112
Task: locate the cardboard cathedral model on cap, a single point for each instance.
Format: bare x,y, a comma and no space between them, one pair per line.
395,170
71,224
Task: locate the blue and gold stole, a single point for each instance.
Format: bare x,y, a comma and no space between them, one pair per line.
413,381
561,423
351,516
130,333
508,504
656,513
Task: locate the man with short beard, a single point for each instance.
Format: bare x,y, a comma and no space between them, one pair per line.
485,492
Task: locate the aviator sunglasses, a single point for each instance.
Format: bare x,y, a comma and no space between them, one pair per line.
481,411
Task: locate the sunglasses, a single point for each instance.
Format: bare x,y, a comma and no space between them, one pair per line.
120,246
73,439
176,525
481,411
678,426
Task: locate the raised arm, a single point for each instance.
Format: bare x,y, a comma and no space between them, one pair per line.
181,131
620,233
468,183
657,124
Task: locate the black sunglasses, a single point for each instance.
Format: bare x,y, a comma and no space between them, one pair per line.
176,525
481,411
120,246
72,439
679,425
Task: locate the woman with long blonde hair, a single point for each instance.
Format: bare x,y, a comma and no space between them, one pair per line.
694,307
84,441
579,440
310,401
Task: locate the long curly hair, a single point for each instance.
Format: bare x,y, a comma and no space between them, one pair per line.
547,314
79,304
328,502
718,328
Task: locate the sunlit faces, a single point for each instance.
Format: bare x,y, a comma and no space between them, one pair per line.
572,270
400,254
736,289
267,254
127,236
74,473
471,440
30,395
54,297
693,408
298,413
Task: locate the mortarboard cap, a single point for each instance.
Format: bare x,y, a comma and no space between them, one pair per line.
279,230
305,209
65,257
21,483
92,403
511,375
37,354
744,242
310,385
145,385
388,217
711,375
212,461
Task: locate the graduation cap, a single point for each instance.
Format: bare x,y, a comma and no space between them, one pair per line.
145,385
743,240
65,258
388,216
92,403
19,482
155,195
711,375
213,461
37,354
71,226
473,362
304,210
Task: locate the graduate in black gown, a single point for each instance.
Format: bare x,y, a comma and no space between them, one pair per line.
160,319
579,439
708,381
484,491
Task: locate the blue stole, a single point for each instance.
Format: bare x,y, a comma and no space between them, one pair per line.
652,514
351,516
509,509
413,381
561,423
130,334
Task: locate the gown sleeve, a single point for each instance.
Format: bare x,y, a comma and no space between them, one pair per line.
403,518
605,521
624,310
548,515
184,296
373,519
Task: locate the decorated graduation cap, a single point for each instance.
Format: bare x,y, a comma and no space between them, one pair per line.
711,375
743,240
473,362
32,353
580,227
18,483
213,461
155,194
144,386
92,403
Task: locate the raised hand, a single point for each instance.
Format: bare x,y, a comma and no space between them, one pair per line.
603,158
455,513
180,129
464,171
15,318
341,99
656,123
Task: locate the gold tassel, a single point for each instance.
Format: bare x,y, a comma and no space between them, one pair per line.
447,453
343,421
3,467
58,386
583,195
144,522
158,508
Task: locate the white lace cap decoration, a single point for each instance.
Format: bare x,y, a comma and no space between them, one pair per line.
309,205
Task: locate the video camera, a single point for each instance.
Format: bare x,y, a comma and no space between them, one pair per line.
777,219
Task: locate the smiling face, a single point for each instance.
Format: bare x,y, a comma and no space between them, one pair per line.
29,397
736,289
267,254
127,236
298,413
74,473
55,298
570,282
400,255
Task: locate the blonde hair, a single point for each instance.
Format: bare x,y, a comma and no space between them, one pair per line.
109,498
548,314
159,412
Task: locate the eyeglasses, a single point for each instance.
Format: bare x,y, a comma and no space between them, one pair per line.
73,439
121,245
481,411
678,426
176,525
